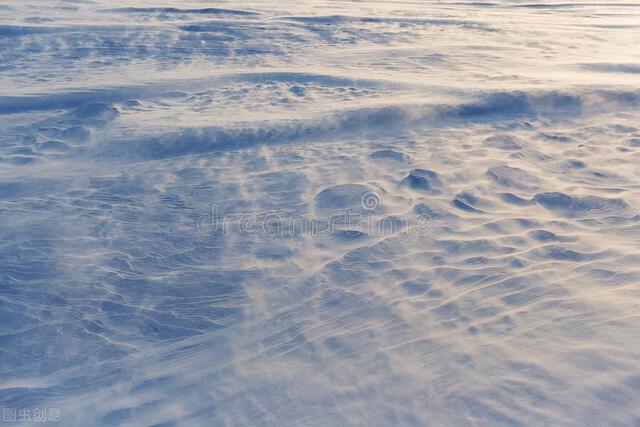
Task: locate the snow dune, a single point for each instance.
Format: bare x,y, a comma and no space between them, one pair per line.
320,213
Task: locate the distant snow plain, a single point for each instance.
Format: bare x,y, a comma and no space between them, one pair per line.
320,213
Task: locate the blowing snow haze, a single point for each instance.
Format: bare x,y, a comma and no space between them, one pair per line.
319,213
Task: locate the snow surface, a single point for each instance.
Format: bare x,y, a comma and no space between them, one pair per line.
491,153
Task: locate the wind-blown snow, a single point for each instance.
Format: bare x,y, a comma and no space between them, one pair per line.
490,152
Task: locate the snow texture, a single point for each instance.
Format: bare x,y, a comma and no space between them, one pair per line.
431,213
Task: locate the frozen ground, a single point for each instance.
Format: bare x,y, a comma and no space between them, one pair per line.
504,137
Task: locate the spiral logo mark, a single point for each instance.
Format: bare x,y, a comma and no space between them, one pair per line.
370,201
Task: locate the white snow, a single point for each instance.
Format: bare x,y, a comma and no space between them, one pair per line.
320,213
